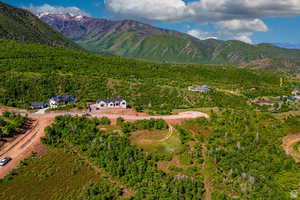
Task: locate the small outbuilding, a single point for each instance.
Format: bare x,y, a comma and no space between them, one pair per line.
111,103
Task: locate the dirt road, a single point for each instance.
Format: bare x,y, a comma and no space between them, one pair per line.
171,119
22,148
288,146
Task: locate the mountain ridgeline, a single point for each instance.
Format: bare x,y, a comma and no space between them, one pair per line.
19,24
138,40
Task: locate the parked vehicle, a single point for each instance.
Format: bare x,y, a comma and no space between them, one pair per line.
86,115
5,160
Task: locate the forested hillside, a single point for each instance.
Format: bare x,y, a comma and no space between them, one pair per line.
31,72
19,24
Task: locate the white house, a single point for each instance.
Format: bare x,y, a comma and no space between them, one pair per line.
111,103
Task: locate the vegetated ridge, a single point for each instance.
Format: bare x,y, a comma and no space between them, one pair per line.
138,40
19,24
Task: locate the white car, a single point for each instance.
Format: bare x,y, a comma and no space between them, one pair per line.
5,160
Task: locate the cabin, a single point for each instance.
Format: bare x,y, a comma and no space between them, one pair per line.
38,105
57,100
264,102
111,103
296,91
202,88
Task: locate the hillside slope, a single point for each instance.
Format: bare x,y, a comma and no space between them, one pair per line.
138,40
32,72
18,24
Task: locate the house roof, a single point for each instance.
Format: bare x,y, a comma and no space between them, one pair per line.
292,99
263,101
63,97
37,104
201,88
112,100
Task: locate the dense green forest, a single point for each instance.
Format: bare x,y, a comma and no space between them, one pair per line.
31,72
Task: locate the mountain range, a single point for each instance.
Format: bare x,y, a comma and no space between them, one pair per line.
287,45
134,39
138,40
19,24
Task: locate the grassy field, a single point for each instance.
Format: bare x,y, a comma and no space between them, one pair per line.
52,176
153,141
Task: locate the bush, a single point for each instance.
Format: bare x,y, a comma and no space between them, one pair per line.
105,121
120,121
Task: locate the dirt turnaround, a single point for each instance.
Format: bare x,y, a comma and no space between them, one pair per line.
23,146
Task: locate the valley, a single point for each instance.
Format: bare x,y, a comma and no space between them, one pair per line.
95,108
197,156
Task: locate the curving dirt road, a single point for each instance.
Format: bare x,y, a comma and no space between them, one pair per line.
288,146
25,145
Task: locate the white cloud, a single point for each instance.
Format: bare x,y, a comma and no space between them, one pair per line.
241,29
244,15
46,8
149,10
217,10
202,35
212,10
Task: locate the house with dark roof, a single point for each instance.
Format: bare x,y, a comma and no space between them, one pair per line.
57,100
291,99
111,103
202,88
38,105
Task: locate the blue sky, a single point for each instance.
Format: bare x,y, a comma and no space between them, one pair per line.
261,21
